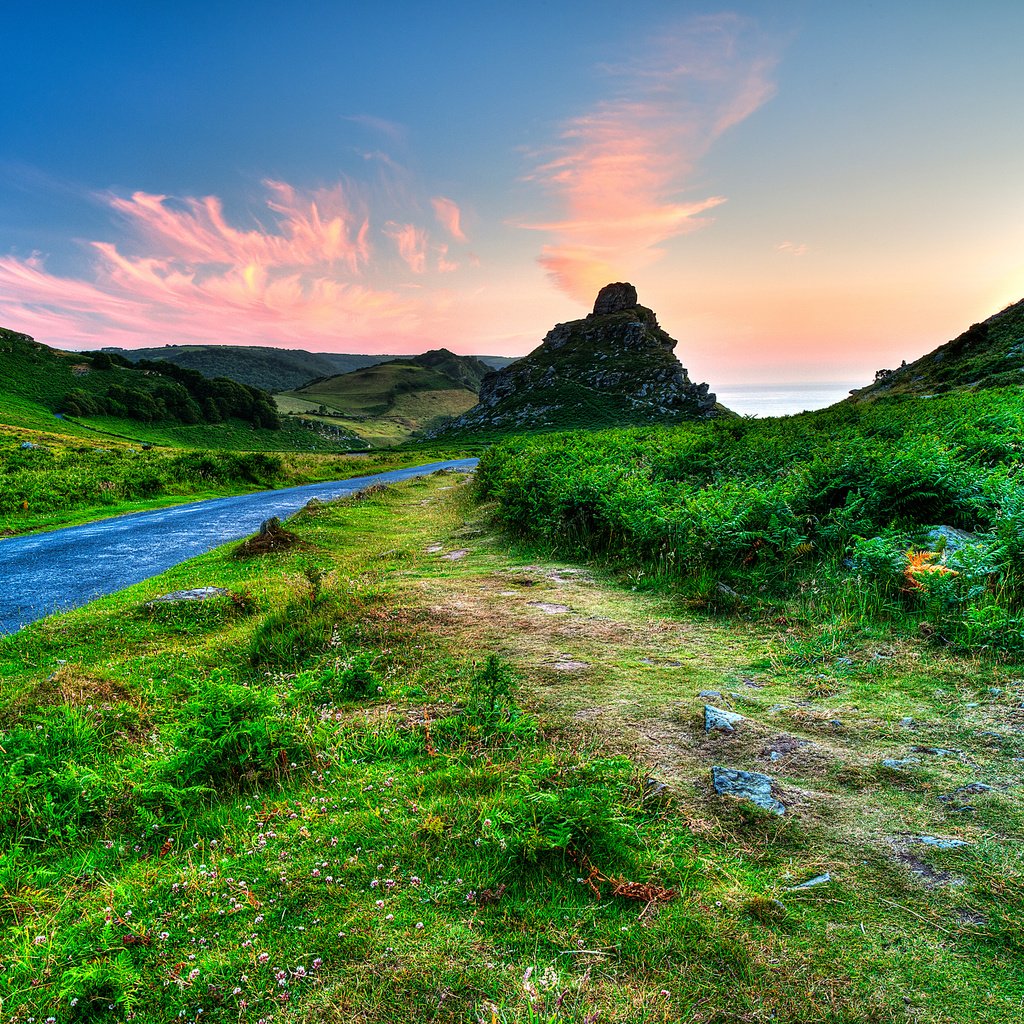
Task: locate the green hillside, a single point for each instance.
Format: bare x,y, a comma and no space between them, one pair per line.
85,394
273,369
988,354
389,402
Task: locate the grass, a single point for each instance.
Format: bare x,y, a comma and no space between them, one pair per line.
60,481
227,819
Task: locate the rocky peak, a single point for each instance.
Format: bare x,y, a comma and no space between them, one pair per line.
613,367
613,298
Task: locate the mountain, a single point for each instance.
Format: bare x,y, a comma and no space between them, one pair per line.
989,354
389,402
614,367
272,369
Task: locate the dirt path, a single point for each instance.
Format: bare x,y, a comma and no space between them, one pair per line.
633,673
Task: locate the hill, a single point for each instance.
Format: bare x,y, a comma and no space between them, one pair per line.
389,402
614,367
273,369
988,354
78,393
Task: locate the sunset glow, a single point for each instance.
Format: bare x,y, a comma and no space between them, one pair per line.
783,200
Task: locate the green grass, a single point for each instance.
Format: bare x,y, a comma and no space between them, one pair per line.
221,817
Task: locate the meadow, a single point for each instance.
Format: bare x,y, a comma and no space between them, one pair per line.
444,754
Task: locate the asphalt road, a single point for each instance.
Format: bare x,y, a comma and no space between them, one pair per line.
49,572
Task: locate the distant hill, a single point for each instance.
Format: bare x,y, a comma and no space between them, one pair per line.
44,388
272,369
389,402
614,367
987,355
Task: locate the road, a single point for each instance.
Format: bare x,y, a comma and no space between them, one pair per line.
48,572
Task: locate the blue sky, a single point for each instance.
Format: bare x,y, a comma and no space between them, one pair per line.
800,190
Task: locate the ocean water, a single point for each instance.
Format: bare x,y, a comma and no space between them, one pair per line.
783,399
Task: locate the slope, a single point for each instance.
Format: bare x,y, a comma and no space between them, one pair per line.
389,402
988,354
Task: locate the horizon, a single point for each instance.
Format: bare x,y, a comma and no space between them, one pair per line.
802,197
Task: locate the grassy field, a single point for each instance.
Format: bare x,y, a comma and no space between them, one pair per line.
404,772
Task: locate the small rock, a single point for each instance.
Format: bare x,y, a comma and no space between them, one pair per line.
937,751
908,723
654,788
710,694
183,596
900,762
811,882
974,787
717,719
753,786
942,844
454,556
569,665
434,549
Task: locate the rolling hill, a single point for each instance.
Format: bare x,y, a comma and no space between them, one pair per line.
273,369
389,402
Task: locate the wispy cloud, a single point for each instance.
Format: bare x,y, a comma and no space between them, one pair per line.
318,266
792,248
621,171
449,216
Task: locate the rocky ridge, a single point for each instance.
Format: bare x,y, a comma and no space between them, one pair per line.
614,367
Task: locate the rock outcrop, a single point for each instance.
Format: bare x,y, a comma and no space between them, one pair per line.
614,367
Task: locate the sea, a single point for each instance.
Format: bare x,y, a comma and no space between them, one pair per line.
783,399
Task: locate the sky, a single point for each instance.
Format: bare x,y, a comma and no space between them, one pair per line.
802,190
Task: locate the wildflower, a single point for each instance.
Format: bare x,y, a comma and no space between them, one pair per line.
419,926
263,957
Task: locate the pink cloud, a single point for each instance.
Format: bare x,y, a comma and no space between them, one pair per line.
183,272
449,216
412,244
620,170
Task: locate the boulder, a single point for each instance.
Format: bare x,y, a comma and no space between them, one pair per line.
753,786
613,298
719,720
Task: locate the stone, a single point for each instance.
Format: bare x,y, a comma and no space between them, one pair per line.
753,786
272,536
900,762
549,609
184,596
811,882
942,844
456,555
949,540
710,694
719,720
613,298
